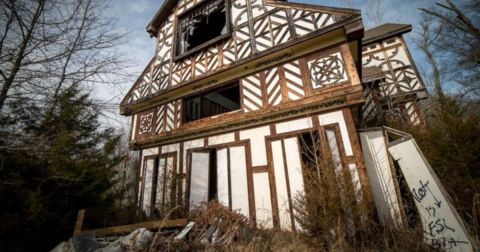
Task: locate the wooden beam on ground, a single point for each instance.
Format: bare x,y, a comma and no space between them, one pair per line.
151,225
79,222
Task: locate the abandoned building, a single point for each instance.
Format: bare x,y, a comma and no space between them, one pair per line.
235,87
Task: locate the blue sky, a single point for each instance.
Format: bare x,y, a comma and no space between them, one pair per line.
133,16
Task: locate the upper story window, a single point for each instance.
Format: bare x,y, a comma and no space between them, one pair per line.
212,103
202,26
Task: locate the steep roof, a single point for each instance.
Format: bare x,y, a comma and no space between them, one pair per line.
385,31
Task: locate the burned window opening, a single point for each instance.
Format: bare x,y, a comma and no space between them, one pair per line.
201,25
212,103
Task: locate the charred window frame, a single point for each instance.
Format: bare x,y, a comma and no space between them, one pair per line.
213,102
203,25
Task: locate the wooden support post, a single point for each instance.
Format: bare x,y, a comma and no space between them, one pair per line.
79,222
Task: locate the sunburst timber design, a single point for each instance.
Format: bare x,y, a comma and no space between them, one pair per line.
327,70
146,123
272,81
252,93
293,80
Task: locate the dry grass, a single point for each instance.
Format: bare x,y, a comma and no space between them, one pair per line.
234,232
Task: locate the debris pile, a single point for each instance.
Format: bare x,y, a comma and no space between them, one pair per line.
211,225
138,240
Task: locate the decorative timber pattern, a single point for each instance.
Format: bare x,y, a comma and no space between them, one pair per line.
293,80
386,95
257,26
168,117
272,82
265,89
146,123
284,83
393,59
252,93
327,70
412,114
369,109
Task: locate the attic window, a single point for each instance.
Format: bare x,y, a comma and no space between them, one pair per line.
212,103
202,25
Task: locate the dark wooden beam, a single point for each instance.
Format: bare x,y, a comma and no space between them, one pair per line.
151,225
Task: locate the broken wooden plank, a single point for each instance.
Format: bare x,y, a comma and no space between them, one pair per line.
79,222
151,225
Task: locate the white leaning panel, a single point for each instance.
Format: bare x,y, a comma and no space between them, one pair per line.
380,177
440,220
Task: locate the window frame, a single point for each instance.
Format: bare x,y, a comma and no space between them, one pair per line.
227,85
207,44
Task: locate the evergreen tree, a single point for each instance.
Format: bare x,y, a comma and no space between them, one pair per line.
63,162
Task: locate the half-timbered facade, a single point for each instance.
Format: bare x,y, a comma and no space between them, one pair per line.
220,116
392,85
